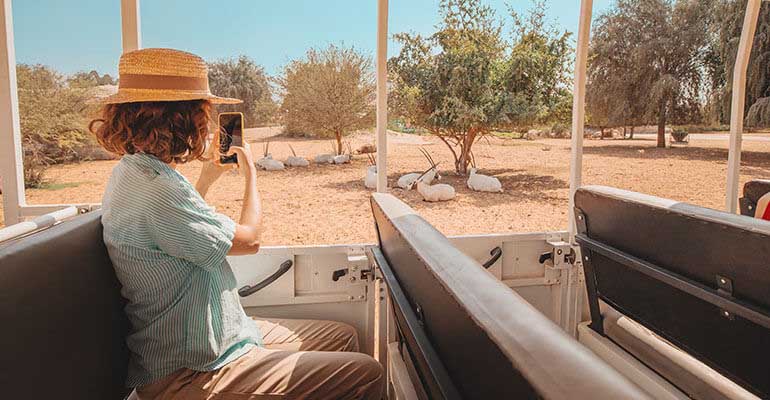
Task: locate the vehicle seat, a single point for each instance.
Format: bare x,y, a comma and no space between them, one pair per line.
64,328
695,277
464,334
763,207
752,191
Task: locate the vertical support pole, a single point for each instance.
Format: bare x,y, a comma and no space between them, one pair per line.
739,103
11,155
579,109
382,96
131,25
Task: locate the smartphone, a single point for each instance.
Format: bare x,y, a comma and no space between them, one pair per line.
230,134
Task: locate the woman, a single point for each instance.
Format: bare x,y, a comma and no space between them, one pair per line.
190,337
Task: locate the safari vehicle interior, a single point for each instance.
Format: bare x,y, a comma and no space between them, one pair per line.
640,297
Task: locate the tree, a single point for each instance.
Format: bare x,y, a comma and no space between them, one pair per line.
466,80
537,71
90,79
242,78
52,117
330,93
449,83
651,51
727,33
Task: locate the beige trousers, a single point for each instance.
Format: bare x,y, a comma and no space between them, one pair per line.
302,359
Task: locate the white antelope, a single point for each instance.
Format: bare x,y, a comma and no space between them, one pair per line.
370,181
438,192
266,162
407,181
294,161
324,159
343,158
482,183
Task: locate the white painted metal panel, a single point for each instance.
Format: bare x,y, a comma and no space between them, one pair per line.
738,103
382,96
131,25
628,366
11,168
579,108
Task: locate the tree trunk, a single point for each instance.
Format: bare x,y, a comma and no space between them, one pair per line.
631,135
624,132
338,136
462,162
662,125
601,136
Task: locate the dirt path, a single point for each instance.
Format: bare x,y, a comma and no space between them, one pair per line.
328,204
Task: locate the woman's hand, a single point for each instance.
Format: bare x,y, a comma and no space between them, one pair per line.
245,160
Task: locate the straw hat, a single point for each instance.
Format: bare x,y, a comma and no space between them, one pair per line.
163,75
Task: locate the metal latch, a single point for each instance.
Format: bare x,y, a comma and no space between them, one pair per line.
562,256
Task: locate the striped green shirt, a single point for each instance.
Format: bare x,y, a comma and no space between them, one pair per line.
168,248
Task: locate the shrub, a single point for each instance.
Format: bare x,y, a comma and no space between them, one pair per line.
560,130
679,135
759,114
53,120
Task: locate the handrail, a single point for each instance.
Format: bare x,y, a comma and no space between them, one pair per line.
249,290
41,222
496,253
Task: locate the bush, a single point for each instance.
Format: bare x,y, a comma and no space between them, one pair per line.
759,114
679,135
560,130
53,120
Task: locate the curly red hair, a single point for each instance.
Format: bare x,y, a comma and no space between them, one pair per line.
172,131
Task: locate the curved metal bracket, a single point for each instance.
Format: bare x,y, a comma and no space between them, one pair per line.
496,253
249,290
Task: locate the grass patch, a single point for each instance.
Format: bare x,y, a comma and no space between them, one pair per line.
60,185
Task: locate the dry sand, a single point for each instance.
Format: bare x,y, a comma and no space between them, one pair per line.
328,204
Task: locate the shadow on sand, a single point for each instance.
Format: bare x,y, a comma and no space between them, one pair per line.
517,185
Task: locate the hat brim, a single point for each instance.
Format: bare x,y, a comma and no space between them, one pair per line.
142,95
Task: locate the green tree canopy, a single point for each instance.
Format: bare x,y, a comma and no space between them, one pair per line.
726,37
242,78
466,80
537,73
330,93
646,59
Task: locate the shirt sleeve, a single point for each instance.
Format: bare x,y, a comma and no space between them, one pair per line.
184,226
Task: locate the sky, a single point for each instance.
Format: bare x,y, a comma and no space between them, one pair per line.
81,35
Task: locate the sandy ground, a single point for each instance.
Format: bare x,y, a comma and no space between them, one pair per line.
328,204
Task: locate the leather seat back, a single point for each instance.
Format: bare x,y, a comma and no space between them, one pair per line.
63,325
752,191
492,343
699,278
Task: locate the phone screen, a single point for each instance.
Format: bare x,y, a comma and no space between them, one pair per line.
231,126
